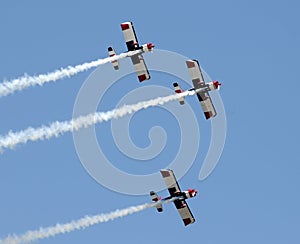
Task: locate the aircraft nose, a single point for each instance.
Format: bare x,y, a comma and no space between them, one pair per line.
150,45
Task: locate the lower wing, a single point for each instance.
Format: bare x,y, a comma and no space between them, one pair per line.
140,67
184,211
207,105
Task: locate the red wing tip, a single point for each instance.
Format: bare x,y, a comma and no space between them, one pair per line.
165,173
142,77
125,26
190,63
209,115
187,221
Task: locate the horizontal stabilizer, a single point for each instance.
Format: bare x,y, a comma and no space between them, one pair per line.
155,198
111,53
178,89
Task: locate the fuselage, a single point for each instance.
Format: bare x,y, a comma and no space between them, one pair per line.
183,194
214,85
148,47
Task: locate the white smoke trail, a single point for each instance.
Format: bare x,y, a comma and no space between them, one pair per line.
57,128
82,223
9,87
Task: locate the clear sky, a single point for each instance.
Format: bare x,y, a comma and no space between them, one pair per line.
252,47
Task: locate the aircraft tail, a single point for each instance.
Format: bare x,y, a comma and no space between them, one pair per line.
111,53
155,198
178,89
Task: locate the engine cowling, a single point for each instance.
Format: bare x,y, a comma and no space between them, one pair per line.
215,85
148,47
190,193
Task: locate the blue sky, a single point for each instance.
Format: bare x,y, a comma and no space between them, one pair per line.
252,47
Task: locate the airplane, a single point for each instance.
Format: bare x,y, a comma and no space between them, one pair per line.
175,191
202,89
133,45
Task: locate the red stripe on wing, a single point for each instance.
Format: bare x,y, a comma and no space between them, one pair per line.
124,26
165,173
142,77
187,221
190,64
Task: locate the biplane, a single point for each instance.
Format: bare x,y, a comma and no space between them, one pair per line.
174,190
201,88
133,45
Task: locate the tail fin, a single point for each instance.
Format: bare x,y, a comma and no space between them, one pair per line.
111,53
178,89
155,198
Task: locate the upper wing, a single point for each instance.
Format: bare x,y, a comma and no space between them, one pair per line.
195,73
170,181
140,67
207,105
129,35
184,212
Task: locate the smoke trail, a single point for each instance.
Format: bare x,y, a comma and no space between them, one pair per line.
57,128
9,87
82,223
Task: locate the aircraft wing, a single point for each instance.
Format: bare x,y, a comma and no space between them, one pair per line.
129,35
207,105
170,181
195,73
184,211
180,204
140,67
198,82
